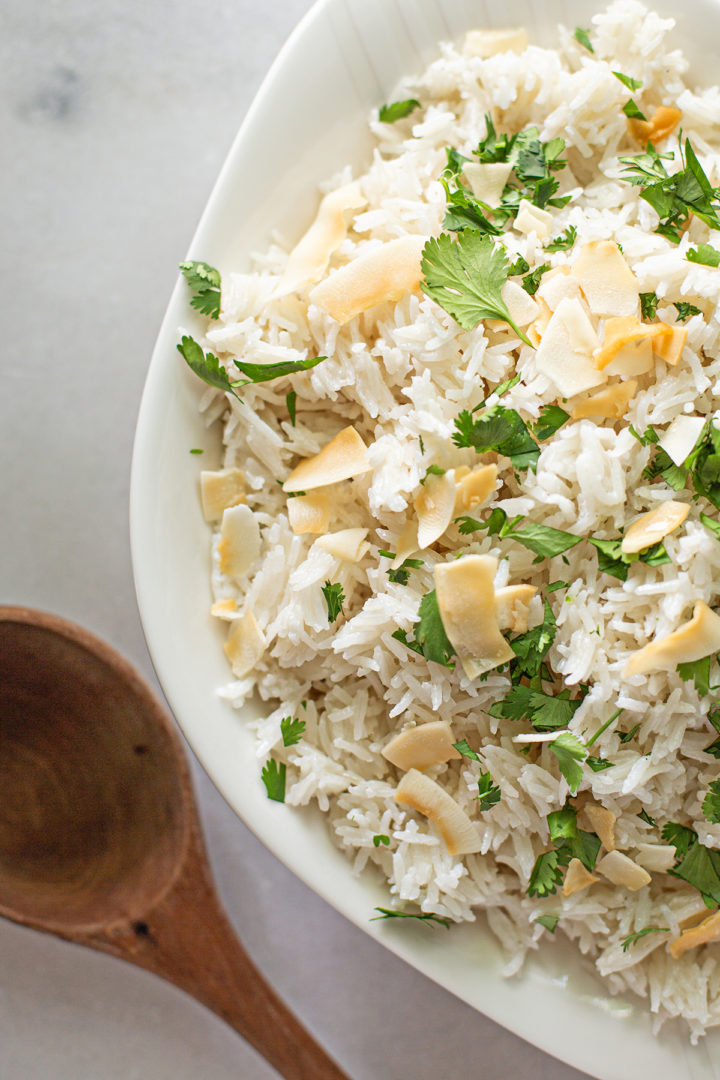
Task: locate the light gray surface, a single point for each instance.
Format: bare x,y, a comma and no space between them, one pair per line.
114,120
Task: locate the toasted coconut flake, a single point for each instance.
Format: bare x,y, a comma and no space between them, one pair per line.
625,331
434,507
245,645
423,746
635,358
621,870
513,607
523,309
224,609
531,218
461,835
669,347
537,331
607,281
610,403
692,641
602,821
654,526
309,513
308,261
407,544
385,274
347,544
708,930
474,488
658,858
681,436
487,180
486,43
566,350
219,490
239,544
661,124
577,877
466,601
557,285
344,456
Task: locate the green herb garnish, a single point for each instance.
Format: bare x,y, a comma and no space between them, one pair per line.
489,793
571,755
334,598
397,110
564,241
631,939
204,280
273,777
546,712
292,730
390,913
648,304
711,803
291,403
704,254
685,311
583,38
628,81
207,367
380,838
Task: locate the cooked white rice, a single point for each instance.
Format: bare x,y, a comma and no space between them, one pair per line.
400,373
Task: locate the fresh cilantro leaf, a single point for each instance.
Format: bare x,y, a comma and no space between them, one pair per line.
489,793
584,846
259,373
397,110
648,304
597,764
546,875
390,913
499,429
401,635
555,585
205,281
674,197
613,561
520,266
291,730
644,816
564,241
704,254
700,867
273,777
685,311
649,436
422,445
468,524
465,749
583,38
465,277
628,81
464,210
713,749
711,524
562,824
455,162
401,574
196,450
206,366
610,720
334,598
544,540
549,922
711,803
430,632
531,281
631,939
546,712
571,755
682,837
380,838
699,671
291,401
532,647
432,470
627,736
633,111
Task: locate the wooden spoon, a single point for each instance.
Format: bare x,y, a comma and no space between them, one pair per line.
100,840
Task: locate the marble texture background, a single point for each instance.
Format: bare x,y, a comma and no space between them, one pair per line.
114,120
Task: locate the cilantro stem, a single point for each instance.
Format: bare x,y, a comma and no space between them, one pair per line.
605,726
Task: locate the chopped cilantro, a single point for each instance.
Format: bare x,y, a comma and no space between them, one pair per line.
700,867
571,755
211,371
699,672
465,277
465,749
531,281
432,470
205,282
520,266
682,837
564,241
633,111
685,311
570,841
711,803
546,712
380,838
701,466
291,402
648,304
273,777
597,764
644,816
604,727
397,110
464,210
546,875
711,524
334,598
390,913
562,824
401,574
628,81
674,197
704,254
541,539
613,561
292,730
583,38
499,429
468,524
431,641
555,585
631,939
532,647
548,922
551,419
196,450
626,736
259,373
489,793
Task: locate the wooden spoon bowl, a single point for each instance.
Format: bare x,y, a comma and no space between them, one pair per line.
100,841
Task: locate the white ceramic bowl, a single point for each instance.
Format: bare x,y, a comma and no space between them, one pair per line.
308,120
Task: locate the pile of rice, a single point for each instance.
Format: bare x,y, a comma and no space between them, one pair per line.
400,373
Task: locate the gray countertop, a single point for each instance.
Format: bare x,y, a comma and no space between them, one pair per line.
115,118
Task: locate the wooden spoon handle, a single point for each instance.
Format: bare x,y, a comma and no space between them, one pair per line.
187,939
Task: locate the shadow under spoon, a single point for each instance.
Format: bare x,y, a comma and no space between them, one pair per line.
100,840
